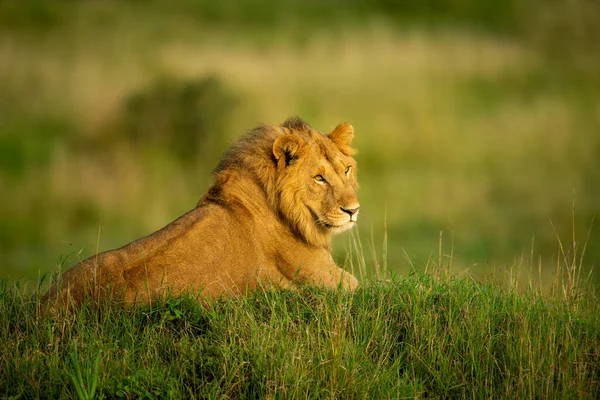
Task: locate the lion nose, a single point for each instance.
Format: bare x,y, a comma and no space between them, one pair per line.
350,211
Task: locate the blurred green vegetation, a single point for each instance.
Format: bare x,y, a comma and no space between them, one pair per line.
183,119
479,120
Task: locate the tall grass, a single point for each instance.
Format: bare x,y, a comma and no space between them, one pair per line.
417,337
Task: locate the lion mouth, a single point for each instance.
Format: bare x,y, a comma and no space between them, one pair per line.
333,225
338,226
341,228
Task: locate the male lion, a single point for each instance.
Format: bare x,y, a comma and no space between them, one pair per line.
278,195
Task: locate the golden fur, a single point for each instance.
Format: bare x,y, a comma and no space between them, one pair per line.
278,195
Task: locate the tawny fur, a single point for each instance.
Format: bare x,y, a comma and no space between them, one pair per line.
278,195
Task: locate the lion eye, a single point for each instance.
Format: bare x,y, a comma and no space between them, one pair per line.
319,178
348,170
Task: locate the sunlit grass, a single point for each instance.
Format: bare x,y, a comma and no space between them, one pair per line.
424,336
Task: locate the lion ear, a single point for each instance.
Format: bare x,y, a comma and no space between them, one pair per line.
342,136
286,149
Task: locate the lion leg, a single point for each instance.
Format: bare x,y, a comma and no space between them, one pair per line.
332,277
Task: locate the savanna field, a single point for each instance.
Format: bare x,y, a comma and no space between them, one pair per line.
478,130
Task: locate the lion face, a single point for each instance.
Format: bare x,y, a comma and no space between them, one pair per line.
316,182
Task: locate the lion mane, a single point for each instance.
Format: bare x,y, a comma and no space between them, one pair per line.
279,193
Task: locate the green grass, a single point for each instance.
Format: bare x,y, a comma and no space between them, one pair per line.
421,336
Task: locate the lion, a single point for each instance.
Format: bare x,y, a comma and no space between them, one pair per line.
279,193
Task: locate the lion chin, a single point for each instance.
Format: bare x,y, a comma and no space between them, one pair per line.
256,226
342,228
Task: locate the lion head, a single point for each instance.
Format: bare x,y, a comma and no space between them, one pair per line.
308,178
315,180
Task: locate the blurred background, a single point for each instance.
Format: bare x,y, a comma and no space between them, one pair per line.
477,122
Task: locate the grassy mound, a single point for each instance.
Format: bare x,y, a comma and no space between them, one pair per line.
419,336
